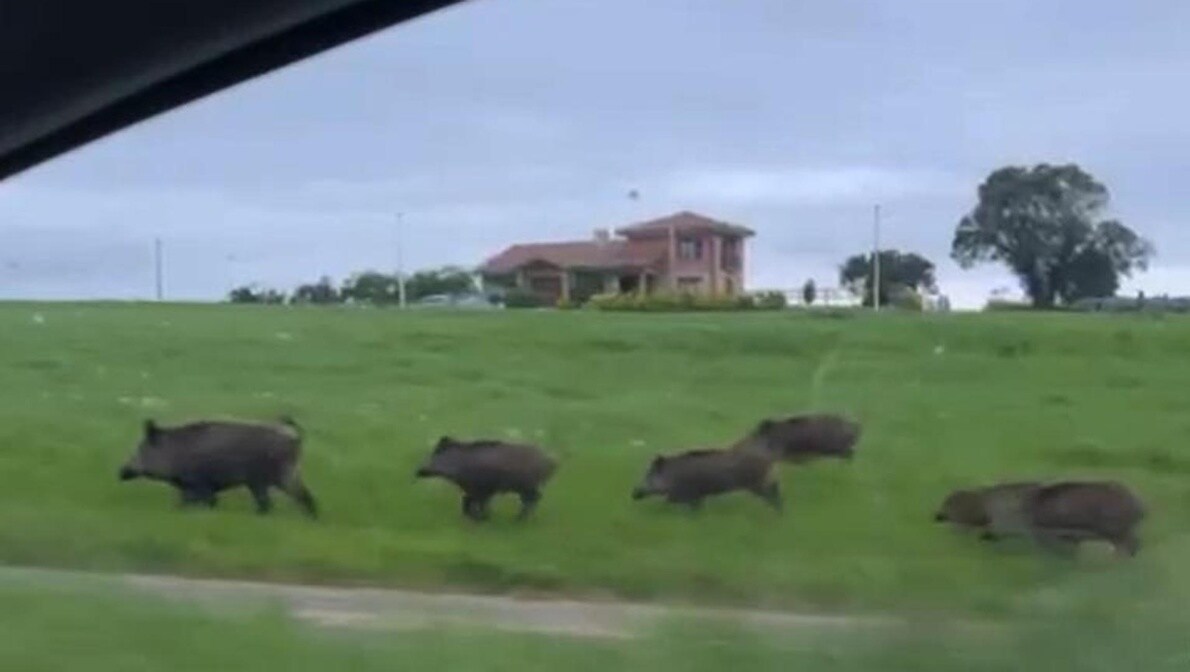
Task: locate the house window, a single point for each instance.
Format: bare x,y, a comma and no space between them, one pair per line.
690,248
689,284
730,260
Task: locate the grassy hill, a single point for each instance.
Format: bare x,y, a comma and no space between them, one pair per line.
945,401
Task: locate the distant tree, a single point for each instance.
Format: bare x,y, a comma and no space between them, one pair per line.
445,280
371,287
1047,224
898,271
321,292
244,294
809,292
254,294
273,296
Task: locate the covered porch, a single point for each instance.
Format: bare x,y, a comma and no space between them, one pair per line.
554,283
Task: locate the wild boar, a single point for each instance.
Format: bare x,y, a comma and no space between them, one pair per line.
485,468
689,477
802,438
1056,515
202,459
1071,512
996,510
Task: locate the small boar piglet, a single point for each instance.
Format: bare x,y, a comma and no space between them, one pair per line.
802,438
485,468
690,477
1058,515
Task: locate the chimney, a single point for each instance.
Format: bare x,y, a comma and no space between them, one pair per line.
603,235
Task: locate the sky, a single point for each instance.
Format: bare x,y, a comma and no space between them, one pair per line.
503,121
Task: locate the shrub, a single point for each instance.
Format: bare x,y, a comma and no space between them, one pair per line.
604,301
253,294
1003,306
809,293
519,298
670,302
905,298
773,300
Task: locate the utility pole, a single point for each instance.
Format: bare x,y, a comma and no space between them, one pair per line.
158,269
401,259
876,258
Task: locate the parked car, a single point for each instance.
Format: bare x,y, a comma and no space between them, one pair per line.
470,301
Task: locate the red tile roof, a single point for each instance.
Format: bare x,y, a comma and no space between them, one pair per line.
578,254
683,222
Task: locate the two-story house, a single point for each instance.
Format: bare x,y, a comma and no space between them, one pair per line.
684,252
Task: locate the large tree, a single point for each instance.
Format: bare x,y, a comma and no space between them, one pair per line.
898,271
371,287
1048,225
321,292
445,280
254,294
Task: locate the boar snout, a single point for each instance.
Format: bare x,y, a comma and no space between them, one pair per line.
639,493
939,517
127,473
423,472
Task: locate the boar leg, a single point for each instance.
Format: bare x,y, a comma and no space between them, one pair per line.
770,493
475,506
260,493
481,506
296,489
529,499
1128,545
1059,542
189,496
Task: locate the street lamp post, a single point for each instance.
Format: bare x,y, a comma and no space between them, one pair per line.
876,258
401,259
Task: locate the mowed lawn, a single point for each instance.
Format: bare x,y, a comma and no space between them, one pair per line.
946,401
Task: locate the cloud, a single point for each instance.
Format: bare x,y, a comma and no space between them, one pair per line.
496,123
811,186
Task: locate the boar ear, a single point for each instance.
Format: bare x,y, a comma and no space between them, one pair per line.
765,425
658,461
151,429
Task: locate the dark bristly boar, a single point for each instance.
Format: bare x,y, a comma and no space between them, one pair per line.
1070,512
485,468
996,510
1057,515
689,477
802,438
202,459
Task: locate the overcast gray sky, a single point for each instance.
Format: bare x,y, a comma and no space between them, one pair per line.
501,121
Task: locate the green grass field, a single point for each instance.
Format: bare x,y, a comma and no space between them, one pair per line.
946,401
